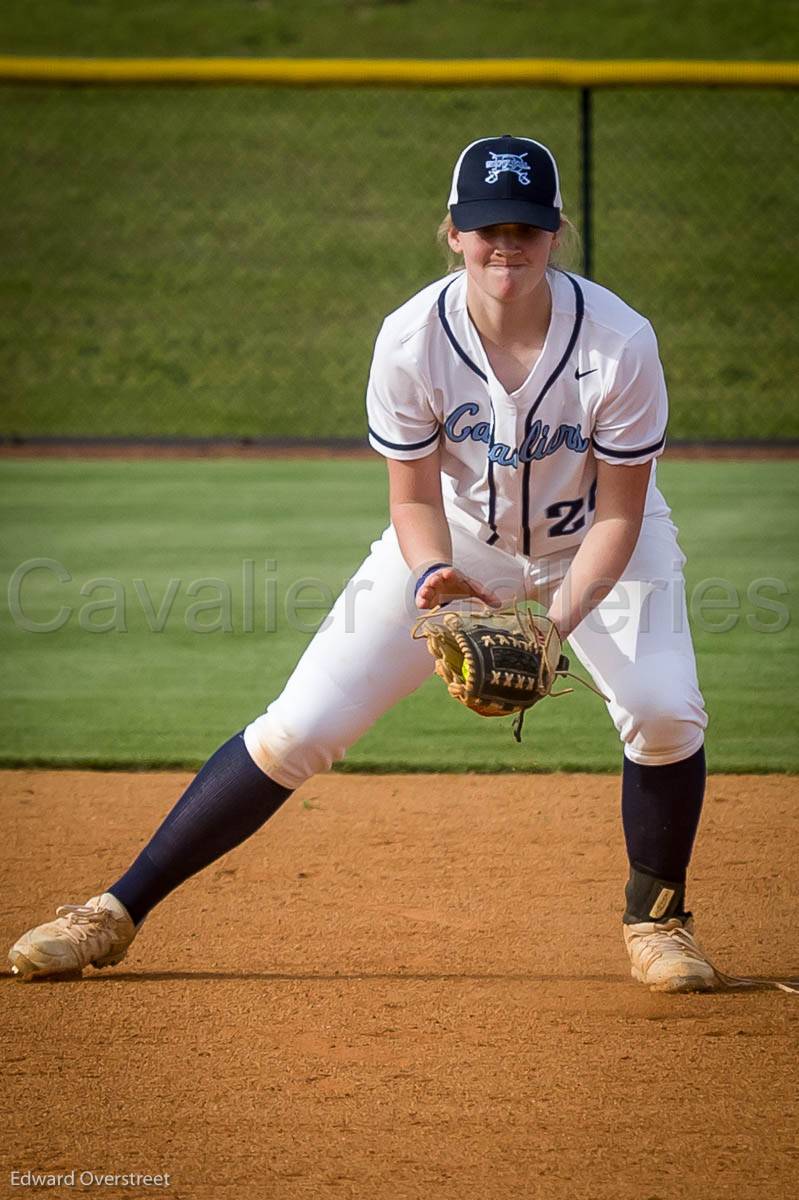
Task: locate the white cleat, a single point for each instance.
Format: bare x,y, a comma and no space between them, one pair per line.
666,958
98,932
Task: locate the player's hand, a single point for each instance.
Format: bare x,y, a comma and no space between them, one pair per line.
451,584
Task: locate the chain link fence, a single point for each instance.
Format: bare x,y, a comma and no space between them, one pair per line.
216,262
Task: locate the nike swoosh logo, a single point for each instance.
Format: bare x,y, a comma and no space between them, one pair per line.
579,374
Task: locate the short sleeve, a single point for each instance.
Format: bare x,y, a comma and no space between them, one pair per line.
630,422
402,423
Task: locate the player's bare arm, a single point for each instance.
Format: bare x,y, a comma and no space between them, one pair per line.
417,514
607,547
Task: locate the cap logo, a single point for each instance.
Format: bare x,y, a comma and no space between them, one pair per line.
498,163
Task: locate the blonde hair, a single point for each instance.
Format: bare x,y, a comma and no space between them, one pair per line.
567,252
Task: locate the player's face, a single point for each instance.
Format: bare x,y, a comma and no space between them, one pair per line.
506,261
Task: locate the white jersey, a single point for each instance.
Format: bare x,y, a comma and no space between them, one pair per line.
519,468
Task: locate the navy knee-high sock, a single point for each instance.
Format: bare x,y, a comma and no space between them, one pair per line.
660,809
224,804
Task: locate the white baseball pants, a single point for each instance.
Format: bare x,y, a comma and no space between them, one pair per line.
636,645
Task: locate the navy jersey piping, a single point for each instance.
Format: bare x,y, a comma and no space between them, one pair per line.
628,453
461,353
403,446
579,312
456,346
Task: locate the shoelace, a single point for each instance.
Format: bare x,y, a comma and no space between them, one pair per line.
82,919
653,949
743,981
669,943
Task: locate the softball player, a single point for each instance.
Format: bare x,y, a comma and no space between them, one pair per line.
520,410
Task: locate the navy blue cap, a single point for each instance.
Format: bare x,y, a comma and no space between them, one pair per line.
505,180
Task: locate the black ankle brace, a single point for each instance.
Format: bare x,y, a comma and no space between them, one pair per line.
650,898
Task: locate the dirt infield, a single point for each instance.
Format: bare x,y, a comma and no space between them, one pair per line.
404,986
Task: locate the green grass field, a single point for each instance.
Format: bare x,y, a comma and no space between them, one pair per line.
133,697
217,261
403,28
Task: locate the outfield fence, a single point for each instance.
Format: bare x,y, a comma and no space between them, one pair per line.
190,261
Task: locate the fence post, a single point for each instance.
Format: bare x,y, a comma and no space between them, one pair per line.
586,163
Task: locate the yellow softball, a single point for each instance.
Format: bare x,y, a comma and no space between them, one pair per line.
465,670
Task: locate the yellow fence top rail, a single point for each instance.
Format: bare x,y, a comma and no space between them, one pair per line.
403,72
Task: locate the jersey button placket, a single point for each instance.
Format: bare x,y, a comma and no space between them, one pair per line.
504,446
